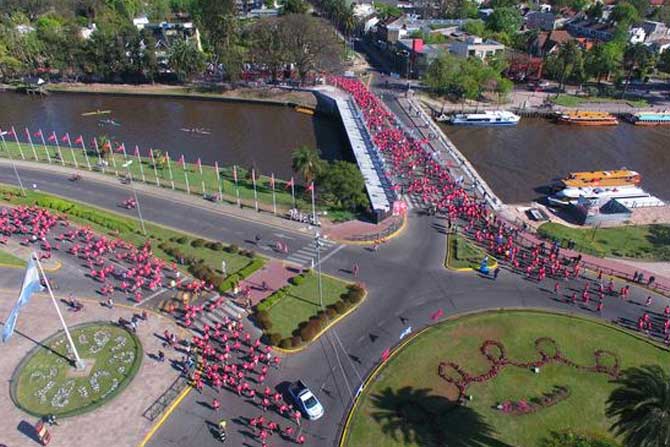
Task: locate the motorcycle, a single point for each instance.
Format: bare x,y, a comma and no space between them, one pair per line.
75,177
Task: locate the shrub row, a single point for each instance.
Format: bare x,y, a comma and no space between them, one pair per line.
307,330
106,221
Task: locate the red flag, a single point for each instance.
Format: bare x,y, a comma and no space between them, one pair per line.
437,315
235,173
253,174
65,138
199,163
120,148
272,180
386,354
290,183
107,145
182,161
137,151
11,132
38,133
311,187
79,140
52,138
216,167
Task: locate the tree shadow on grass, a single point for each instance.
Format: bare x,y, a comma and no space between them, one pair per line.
428,420
659,237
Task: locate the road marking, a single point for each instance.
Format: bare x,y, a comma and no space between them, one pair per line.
150,297
166,415
325,258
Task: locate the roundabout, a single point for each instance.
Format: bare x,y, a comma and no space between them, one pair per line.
45,382
519,375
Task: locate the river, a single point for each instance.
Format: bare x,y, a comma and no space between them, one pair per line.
241,133
517,161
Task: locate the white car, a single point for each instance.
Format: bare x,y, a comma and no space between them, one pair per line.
306,400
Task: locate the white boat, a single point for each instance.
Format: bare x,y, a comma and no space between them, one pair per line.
568,196
488,118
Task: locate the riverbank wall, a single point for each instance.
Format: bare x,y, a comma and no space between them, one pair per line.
279,96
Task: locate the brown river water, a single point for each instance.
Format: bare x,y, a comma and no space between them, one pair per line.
517,161
241,133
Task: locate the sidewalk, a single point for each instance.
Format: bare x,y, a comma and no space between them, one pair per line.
275,274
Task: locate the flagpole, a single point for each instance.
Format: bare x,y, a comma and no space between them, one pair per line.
218,179
253,179
18,143
97,150
313,205
60,153
78,363
202,179
111,152
237,186
45,146
16,171
139,161
183,166
274,199
32,146
293,191
83,148
69,142
153,162
167,157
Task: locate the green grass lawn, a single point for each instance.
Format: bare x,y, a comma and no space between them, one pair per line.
463,254
577,101
302,302
7,258
165,176
129,229
646,242
410,405
43,384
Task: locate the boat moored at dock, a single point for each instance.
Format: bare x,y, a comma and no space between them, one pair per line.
487,118
615,177
651,118
586,118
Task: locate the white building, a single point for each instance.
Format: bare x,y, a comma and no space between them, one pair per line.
636,34
477,47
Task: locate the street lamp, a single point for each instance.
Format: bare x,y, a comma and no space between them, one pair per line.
16,172
137,202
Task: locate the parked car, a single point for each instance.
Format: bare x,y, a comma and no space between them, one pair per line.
305,400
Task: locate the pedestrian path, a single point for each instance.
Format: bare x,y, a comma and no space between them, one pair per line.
273,276
306,256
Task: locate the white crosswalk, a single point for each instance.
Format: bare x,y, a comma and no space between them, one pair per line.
413,201
306,256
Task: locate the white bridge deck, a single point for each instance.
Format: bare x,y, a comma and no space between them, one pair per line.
370,162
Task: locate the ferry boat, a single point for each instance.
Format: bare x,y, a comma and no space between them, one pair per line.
587,118
488,118
651,118
616,177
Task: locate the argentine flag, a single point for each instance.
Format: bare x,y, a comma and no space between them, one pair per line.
31,284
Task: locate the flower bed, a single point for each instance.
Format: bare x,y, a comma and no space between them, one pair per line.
44,382
605,362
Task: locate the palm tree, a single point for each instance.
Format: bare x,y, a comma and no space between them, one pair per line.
641,407
306,162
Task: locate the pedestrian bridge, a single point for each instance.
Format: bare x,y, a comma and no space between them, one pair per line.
370,161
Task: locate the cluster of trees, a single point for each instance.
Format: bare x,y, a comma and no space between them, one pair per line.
340,184
467,78
44,37
309,43
340,13
619,61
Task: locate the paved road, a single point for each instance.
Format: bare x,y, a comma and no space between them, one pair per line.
406,283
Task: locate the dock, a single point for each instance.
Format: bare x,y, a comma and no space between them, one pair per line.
368,157
419,124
